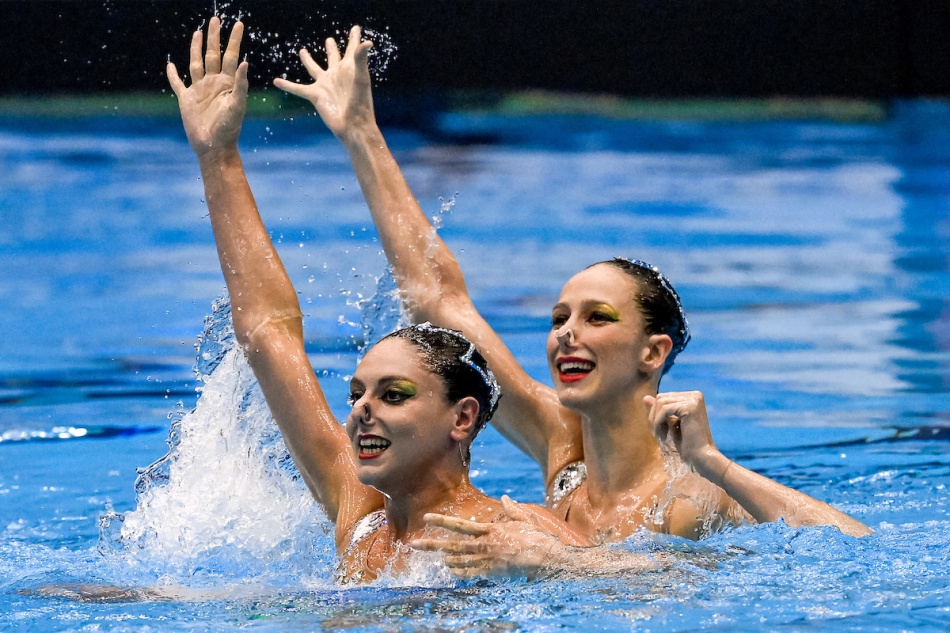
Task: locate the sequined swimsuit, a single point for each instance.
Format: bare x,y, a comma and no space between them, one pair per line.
565,482
366,526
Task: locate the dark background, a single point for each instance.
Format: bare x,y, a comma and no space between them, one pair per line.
645,48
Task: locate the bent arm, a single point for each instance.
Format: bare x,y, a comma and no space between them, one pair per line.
530,542
680,419
767,500
427,273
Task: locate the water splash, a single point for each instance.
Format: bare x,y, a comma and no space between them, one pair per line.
226,503
445,208
381,313
282,50
383,52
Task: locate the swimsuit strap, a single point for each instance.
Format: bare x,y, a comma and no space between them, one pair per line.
566,481
366,526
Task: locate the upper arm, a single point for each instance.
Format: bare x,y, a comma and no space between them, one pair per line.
317,442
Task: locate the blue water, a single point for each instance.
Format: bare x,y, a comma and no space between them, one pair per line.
812,258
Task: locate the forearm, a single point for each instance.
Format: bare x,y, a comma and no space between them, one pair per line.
425,269
767,500
588,562
257,282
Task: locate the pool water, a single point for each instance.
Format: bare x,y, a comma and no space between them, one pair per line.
812,257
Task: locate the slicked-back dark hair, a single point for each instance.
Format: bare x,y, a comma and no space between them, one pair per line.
659,304
462,368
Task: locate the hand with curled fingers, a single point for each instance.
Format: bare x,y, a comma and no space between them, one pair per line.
341,92
508,549
213,107
680,423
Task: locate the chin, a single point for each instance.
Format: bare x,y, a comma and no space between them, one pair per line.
371,477
570,397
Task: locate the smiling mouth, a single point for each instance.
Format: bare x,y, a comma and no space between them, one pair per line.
372,446
574,369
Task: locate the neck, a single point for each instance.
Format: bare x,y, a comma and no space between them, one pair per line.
406,508
620,451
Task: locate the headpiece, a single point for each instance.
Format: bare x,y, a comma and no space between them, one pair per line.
466,358
668,287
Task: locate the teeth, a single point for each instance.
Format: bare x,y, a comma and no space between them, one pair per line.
373,445
575,366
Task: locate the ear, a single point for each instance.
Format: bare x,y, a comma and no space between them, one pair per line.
466,419
654,355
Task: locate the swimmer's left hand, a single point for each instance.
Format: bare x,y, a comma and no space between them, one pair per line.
680,423
342,92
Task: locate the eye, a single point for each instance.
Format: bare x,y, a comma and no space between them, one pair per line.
558,320
352,398
395,396
602,317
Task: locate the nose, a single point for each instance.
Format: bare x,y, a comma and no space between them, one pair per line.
361,412
564,335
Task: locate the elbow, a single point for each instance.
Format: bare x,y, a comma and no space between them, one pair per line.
253,334
431,289
439,305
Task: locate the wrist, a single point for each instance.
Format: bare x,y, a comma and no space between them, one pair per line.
218,156
359,138
712,465
554,561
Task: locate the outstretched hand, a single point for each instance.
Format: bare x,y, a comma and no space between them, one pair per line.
513,548
680,423
212,108
342,92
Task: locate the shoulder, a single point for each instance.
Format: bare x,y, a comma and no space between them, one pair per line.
354,545
548,522
366,526
696,508
351,534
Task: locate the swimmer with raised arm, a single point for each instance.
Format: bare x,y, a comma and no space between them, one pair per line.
417,398
616,329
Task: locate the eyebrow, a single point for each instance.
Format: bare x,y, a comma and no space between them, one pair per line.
587,304
383,380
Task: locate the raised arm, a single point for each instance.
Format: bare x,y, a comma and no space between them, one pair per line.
680,419
427,273
265,310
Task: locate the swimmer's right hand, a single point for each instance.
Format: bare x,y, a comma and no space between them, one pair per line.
509,549
342,92
212,108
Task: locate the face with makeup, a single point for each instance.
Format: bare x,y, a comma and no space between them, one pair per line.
597,339
401,425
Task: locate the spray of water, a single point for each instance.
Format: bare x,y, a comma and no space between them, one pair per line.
226,503
382,313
